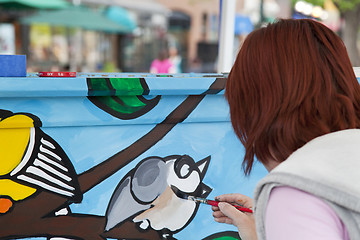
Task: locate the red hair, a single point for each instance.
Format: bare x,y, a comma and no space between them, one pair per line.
292,81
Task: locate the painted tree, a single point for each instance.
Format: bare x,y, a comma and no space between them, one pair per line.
35,216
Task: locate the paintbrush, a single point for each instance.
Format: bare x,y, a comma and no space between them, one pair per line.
206,201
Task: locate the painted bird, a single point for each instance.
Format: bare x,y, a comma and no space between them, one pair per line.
144,195
31,161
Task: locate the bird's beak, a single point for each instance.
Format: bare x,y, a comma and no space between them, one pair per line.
205,190
203,166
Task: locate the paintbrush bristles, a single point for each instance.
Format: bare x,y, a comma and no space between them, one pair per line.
195,199
186,196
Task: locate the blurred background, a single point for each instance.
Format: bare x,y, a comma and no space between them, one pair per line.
127,35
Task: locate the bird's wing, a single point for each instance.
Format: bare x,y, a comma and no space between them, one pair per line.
46,165
136,191
122,205
149,180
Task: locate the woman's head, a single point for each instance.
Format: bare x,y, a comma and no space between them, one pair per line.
292,81
163,54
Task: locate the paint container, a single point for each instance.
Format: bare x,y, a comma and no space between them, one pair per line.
12,66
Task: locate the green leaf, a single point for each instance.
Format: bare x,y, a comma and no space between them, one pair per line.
228,235
121,97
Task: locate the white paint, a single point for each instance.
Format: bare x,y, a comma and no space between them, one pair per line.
44,158
188,184
62,212
45,186
202,166
169,212
47,177
41,164
28,153
47,143
44,150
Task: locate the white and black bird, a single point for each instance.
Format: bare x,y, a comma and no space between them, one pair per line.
145,197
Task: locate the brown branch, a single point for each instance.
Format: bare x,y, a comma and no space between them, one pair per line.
28,218
77,226
102,171
128,230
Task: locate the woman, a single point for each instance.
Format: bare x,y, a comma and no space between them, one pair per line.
295,105
162,64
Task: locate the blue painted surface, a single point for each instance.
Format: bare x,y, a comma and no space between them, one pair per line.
89,135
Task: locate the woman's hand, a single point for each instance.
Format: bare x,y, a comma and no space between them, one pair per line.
226,213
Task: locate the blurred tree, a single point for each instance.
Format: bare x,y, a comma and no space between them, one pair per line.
350,12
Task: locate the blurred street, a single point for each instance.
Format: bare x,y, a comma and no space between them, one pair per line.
128,35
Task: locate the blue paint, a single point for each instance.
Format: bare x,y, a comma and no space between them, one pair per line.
90,136
12,66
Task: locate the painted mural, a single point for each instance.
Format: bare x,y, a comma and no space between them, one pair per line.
97,156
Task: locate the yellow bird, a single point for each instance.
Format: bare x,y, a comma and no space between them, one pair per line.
31,161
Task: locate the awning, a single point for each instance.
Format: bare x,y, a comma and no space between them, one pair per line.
77,17
140,6
179,19
41,4
121,16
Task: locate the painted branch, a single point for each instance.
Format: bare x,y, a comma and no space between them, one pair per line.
27,217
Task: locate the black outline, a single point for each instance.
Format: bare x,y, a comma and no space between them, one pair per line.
97,100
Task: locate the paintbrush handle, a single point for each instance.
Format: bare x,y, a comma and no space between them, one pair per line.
216,204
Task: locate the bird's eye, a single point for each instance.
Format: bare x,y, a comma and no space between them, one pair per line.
185,169
184,166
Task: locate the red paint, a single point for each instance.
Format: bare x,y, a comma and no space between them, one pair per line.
243,209
57,74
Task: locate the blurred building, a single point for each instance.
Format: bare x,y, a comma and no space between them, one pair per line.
193,26
190,26
135,51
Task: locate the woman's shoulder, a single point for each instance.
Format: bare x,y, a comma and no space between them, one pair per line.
288,208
